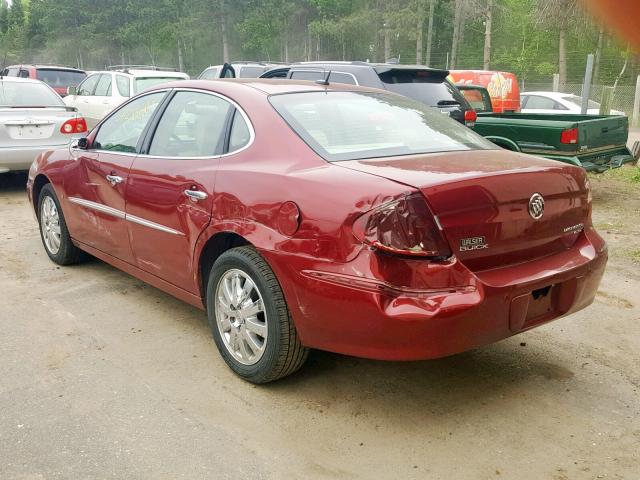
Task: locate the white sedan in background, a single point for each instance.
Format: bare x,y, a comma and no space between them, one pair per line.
557,102
33,119
103,91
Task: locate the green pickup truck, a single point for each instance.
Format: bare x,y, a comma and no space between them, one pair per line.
595,142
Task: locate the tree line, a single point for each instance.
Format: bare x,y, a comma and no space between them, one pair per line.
532,38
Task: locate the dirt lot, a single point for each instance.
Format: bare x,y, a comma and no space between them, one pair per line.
103,376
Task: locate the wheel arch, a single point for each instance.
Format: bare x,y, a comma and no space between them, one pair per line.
38,184
505,143
215,246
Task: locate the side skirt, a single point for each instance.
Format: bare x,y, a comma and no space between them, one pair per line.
152,280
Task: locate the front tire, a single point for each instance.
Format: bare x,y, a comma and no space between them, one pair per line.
249,318
53,229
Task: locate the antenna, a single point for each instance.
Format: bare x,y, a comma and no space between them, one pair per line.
325,81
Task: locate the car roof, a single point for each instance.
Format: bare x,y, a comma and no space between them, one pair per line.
19,80
144,73
267,86
378,67
45,66
555,95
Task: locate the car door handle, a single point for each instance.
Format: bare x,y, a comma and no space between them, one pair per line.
114,179
195,195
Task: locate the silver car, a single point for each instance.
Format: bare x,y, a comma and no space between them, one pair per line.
33,119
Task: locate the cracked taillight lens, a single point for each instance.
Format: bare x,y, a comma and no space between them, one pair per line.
404,226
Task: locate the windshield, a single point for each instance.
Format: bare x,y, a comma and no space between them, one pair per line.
423,85
578,101
60,78
356,125
18,94
142,83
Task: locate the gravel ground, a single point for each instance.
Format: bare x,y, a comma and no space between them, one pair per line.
105,377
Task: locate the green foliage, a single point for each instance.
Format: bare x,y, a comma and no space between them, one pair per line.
92,34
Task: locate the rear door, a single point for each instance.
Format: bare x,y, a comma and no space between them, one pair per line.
171,184
96,191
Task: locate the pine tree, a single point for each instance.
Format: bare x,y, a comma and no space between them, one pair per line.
16,14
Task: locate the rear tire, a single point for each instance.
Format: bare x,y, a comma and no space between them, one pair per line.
249,318
53,229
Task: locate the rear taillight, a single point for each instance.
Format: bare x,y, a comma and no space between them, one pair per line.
569,136
74,125
470,117
405,227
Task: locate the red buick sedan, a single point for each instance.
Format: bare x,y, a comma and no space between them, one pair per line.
306,216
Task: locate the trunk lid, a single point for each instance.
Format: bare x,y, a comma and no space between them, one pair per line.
30,126
481,200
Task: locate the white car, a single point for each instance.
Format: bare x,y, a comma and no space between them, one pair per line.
33,120
237,70
557,102
103,91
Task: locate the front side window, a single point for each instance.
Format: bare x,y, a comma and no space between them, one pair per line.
311,75
89,85
103,89
356,125
23,74
122,130
192,126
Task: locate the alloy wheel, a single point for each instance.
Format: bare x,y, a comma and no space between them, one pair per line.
241,317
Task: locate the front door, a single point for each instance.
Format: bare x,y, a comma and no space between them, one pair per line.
96,190
170,191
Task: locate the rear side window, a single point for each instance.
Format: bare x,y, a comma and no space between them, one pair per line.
240,133
121,131
27,94
251,72
124,86
142,83
59,78
89,85
430,88
537,102
103,89
307,75
192,126
358,125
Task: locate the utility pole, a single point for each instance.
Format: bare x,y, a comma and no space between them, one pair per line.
586,86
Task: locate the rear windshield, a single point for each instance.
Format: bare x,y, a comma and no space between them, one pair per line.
356,125
142,83
18,94
60,78
422,85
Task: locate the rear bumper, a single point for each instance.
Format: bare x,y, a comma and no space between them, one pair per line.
449,309
598,161
21,158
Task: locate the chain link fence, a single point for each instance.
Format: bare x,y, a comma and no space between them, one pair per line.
622,98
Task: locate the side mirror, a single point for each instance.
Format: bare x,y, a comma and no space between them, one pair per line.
83,143
72,90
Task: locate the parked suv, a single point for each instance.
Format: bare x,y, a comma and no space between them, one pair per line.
236,70
102,91
58,78
427,85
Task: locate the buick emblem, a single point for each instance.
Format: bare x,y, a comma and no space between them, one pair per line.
536,206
